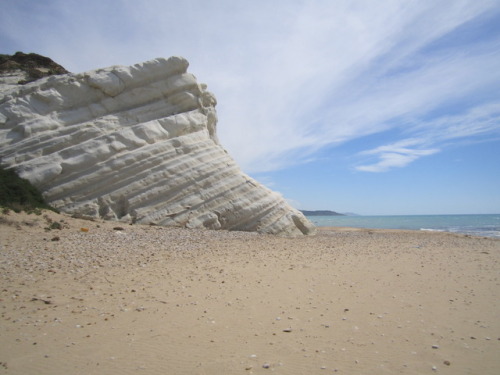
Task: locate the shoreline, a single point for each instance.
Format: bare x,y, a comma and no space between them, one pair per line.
484,225
385,230
120,299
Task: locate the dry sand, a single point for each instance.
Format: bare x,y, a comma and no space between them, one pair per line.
153,300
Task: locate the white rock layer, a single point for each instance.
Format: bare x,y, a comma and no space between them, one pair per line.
8,80
135,144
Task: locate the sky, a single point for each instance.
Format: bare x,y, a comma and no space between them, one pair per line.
374,107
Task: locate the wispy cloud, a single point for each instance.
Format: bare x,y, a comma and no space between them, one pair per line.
355,73
395,155
433,135
292,77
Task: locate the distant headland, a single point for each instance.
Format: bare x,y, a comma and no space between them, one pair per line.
321,213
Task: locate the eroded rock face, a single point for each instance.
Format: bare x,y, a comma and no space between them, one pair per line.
135,144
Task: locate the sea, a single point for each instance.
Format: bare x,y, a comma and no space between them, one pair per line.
476,225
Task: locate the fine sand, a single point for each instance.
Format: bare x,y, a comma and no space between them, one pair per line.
155,300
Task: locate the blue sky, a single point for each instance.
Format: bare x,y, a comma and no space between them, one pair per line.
373,107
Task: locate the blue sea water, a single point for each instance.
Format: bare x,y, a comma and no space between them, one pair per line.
477,225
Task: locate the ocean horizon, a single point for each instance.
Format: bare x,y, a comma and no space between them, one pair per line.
486,225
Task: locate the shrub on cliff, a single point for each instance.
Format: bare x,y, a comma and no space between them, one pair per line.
19,194
36,66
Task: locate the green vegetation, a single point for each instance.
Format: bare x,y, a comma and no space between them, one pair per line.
53,225
18,194
36,66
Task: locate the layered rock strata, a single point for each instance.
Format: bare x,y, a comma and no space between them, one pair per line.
135,144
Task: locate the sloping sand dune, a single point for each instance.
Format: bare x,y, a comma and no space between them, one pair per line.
156,300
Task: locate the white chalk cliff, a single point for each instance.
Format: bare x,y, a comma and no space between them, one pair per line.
135,144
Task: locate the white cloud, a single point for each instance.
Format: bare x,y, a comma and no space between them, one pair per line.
482,120
341,80
389,160
396,155
293,76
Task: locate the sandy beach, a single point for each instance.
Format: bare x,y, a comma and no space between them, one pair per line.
109,298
